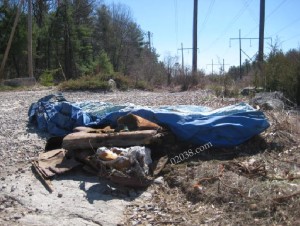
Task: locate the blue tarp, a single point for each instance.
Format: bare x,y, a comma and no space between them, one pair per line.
223,127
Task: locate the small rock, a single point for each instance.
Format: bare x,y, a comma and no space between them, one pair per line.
253,206
134,222
146,196
2,178
59,195
13,188
16,217
112,84
2,207
159,180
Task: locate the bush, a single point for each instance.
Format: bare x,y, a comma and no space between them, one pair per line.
46,79
85,83
142,85
97,82
282,72
123,82
6,88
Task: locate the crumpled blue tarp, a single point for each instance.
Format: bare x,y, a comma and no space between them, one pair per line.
223,127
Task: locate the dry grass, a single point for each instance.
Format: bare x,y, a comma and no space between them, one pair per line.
257,182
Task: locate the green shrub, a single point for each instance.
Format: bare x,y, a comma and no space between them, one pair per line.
47,78
85,83
6,88
123,82
142,85
217,89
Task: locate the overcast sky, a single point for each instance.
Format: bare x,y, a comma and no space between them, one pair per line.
170,22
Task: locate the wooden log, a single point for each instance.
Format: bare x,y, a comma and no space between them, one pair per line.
83,140
91,130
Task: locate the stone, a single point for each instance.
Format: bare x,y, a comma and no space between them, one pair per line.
159,180
112,84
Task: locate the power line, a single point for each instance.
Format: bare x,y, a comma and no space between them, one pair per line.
251,12
211,5
231,23
291,38
267,17
285,27
274,10
176,20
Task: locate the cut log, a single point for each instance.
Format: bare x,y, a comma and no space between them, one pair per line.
83,140
91,130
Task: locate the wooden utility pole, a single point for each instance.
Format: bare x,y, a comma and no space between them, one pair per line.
30,70
261,32
195,31
212,66
240,47
10,39
240,41
182,57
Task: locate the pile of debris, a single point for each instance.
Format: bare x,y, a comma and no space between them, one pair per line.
118,154
128,144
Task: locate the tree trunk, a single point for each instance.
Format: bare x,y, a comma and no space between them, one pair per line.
10,40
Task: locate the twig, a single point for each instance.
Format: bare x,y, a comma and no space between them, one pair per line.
241,193
282,178
284,198
166,222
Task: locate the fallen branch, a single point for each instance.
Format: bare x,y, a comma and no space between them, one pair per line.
282,199
282,178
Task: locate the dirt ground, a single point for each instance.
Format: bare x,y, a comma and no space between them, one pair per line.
254,183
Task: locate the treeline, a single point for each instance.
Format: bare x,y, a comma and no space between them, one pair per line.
73,38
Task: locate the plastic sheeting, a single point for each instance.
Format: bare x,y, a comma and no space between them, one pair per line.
223,127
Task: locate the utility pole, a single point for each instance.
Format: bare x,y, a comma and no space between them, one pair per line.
240,47
195,31
182,57
10,39
30,70
261,32
212,66
149,39
240,42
